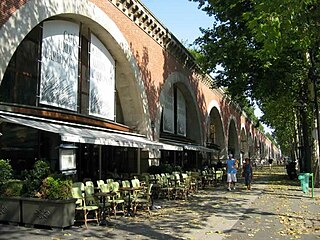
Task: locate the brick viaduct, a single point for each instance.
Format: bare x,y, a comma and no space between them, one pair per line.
150,62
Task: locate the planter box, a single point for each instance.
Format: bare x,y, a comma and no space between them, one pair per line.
51,213
10,209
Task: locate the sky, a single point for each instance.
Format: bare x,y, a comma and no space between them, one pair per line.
183,19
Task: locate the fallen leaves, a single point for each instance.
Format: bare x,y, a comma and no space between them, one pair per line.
272,213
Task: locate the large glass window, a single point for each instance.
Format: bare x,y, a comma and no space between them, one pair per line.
19,144
59,65
62,64
212,137
24,145
174,120
102,80
19,84
84,70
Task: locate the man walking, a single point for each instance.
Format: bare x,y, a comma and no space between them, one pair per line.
231,172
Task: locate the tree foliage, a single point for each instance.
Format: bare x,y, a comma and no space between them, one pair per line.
266,51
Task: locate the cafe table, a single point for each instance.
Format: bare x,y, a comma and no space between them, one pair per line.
130,213
103,196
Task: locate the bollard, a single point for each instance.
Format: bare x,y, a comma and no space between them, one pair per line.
304,180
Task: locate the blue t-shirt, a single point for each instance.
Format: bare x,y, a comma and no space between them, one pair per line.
231,166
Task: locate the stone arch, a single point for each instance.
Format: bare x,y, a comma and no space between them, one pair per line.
129,82
233,137
214,125
256,147
264,150
259,149
269,152
193,113
244,145
251,145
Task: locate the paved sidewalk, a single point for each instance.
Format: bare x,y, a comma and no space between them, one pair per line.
206,215
274,209
282,211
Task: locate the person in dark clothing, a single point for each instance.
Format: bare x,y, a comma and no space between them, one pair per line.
219,164
247,173
270,162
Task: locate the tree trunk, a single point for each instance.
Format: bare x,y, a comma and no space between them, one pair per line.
306,157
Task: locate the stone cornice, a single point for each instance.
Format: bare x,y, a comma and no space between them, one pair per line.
144,19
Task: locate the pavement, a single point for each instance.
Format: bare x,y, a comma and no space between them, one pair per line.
275,208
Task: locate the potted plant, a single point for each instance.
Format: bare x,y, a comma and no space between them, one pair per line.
53,205
47,198
10,190
33,178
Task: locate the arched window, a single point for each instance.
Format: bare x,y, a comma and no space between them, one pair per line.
174,120
62,65
20,82
212,136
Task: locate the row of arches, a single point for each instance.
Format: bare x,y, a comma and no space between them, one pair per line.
171,106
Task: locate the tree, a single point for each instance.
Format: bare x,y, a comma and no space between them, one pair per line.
293,25
228,45
268,51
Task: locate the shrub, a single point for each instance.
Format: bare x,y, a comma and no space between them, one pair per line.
177,169
37,182
11,188
163,168
153,169
34,178
55,188
5,171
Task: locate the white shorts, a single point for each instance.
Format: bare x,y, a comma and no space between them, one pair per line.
231,177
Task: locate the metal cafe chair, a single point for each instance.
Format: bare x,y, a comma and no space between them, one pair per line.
116,200
85,203
143,199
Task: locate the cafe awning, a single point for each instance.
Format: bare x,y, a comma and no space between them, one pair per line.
180,146
171,147
78,133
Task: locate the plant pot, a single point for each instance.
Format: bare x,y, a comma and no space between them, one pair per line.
10,209
51,213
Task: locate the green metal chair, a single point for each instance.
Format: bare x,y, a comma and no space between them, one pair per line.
126,184
116,200
99,183
166,188
143,199
85,203
181,189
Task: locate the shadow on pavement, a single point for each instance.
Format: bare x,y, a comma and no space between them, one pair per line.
176,219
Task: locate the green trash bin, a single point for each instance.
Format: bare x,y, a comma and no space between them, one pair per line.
304,180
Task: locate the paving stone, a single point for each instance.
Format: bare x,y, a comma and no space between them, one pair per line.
275,208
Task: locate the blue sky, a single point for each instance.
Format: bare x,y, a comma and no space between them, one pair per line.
181,17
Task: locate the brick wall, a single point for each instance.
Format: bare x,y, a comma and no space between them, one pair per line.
154,62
